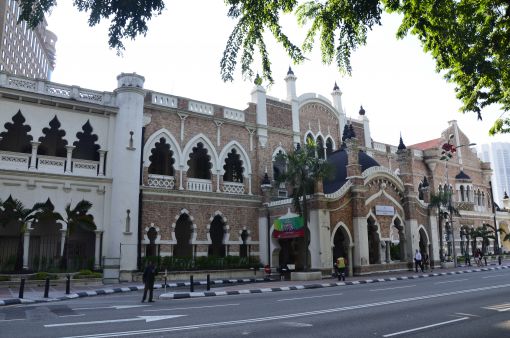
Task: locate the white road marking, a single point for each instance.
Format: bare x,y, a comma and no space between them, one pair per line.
72,315
292,315
466,314
495,276
116,307
500,307
397,287
287,299
453,281
12,320
426,327
146,318
190,308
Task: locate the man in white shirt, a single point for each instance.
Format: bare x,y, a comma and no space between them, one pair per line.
417,261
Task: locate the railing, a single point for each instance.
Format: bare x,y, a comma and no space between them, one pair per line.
199,107
51,164
340,192
57,90
85,167
233,114
380,147
164,100
197,184
233,188
161,181
16,161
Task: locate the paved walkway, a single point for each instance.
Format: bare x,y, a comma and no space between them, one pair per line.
179,290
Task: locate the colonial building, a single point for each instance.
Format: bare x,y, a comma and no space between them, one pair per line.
173,176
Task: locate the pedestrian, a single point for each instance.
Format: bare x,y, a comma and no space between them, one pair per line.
341,263
418,261
425,262
467,258
149,274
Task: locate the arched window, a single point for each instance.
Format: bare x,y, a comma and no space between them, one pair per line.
420,192
320,147
479,197
16,138
483,199
279,165
309,139
243,250
53,143
183,231
86,147
468,193
462,193
233,168
329,146
199,163
162,161
216,231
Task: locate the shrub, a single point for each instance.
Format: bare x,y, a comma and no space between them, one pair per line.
42,276
87,274
5,278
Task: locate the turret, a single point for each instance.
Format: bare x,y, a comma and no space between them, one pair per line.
258,96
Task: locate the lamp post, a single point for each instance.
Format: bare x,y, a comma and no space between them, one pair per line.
448,149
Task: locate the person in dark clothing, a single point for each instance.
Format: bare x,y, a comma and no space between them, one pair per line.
149,274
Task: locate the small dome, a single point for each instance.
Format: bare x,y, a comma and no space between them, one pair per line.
339,160
290,72
361,110
336,87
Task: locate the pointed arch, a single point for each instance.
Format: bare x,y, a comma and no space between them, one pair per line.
421,227
330,145
188,149
16,138
240,150
53,142
193,226
170,139
342,227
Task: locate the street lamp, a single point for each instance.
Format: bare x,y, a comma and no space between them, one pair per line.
448,149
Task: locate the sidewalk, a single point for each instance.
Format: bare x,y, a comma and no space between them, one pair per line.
179,290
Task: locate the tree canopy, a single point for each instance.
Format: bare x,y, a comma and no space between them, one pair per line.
468,39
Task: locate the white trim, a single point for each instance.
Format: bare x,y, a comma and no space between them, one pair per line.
244,157
151,143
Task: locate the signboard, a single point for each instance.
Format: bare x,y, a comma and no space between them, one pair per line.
384,210
290,227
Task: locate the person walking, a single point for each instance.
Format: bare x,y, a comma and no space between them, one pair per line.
417,261
149,274
340,265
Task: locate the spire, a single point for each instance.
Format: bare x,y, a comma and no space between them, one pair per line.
298,147
361,111
258,80
335,88
425,182
505,196
346,134
401,145
290,72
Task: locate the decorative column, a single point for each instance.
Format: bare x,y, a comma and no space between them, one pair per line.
26,245
249,185
218,181
183,118
180,177
63,233
33,158
388,253
350,255
218,132
97,258
102,154
69,159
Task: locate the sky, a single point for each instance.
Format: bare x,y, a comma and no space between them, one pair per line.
394,80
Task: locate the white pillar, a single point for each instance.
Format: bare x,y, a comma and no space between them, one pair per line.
183,118
69,158
62,241
26,246
180,178
258,95
102,154
218,181
33,158
249,185
97,258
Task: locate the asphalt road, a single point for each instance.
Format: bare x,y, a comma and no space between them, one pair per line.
467,305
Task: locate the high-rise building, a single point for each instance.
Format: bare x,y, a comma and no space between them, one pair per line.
498,154
24,51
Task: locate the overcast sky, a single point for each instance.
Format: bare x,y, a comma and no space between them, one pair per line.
394,80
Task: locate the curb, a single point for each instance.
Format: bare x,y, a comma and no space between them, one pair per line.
82,294
318,285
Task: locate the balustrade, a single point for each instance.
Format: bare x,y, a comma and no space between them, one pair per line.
14,161
161,181
233,188
51,164
196,184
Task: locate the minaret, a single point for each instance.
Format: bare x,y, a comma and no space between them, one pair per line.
258,96
337,103
292,98
366,128
124,159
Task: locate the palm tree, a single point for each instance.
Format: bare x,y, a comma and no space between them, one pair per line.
438,201
73,218
303,170
14,210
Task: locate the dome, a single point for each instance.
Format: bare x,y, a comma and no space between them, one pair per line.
339,160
